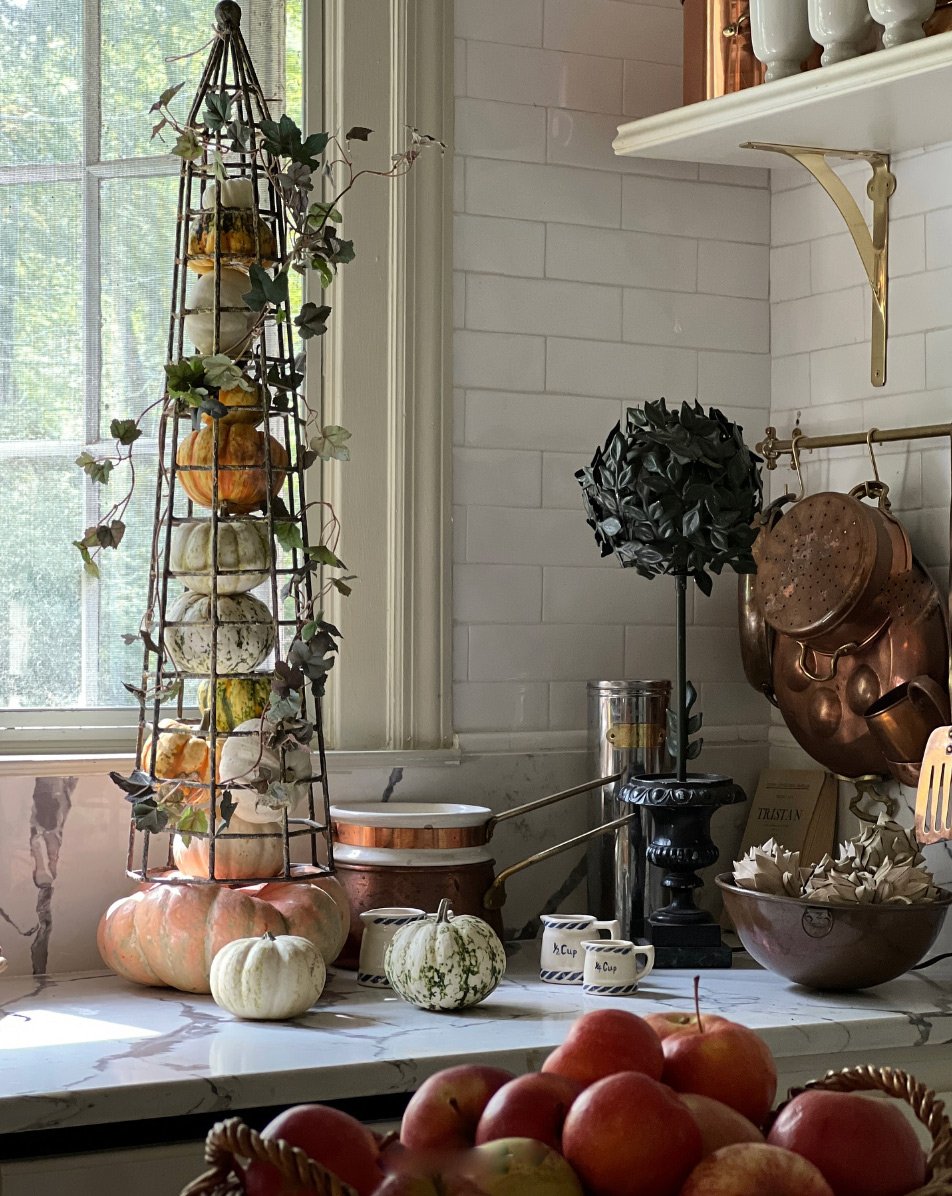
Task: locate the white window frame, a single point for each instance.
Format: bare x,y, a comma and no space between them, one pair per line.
394,691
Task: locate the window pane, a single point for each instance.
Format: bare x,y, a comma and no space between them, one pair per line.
136,288
41,347
40,584
41,95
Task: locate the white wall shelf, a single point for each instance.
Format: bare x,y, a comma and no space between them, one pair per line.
890,100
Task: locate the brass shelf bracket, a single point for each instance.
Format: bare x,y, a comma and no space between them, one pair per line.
872,244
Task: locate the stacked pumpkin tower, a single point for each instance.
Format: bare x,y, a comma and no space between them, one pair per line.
224,805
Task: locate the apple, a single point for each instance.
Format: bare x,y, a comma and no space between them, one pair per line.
715,1057
532,1106
445,1109
720,1125
426,1173
519,1167
664,1024
755,1169
606,1041
863,1146
334,1139
629,1135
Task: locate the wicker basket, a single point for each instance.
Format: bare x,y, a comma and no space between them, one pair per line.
231,1140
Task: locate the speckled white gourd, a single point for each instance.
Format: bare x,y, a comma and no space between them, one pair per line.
268,978
245,633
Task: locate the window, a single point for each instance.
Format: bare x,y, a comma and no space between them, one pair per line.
87,218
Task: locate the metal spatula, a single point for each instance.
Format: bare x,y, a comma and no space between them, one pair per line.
934,792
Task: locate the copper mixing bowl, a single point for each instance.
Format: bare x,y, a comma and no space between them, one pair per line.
834,947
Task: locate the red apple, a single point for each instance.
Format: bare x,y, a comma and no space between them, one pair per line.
863,1146
519,1167
445,1109
664,1024
755,1169
720,1125
532,1106
722,1059
629,1135
425,1173
606,1041
334,1139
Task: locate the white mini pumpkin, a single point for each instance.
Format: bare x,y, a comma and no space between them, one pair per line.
233,326
268,978
445,962
245,634
243,757
235,859
242,544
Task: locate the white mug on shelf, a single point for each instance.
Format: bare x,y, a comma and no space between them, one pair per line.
380,925
841,27
562,951
780,34
902,20
611,966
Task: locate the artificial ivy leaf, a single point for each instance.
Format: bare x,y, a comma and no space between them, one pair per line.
324,270
149,816
358,133
279,508
325,556
344,253
213,407
138,694
312,320
157,128
218,167
184,374
307,459
318,214
187,146
137,784
117,529
283,139
99,471
191,819
240,135
330,443
217,112
285,381
226,808
307,631
224,373
283,707
166,97
126,431
342,587
288,536
265,289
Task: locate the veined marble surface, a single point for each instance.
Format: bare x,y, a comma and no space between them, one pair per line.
89,1048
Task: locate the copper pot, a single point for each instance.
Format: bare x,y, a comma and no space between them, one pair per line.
718,56
941,19
756,635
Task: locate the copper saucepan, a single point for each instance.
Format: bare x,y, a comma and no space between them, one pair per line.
756,635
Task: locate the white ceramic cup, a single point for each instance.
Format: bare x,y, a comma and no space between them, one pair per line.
611,966
562,952
902,20
780,34
842,28
380,925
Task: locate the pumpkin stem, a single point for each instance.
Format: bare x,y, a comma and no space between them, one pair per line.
444,913
268,937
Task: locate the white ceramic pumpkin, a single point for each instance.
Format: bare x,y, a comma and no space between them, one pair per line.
268,978
445,962
244,757
242,544
233,325
235,859
244,637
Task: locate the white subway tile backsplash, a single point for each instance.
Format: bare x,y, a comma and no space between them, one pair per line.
498,478
497,593
629,372
501,705
610,255
614,29
548,78
734,176
526,191
495,303
789,381
818,322
500,535
789,273
498,360
459,66
560,486
938,358
585,139
459,299
696,321
556,652
920,302
501,420
841,374
730,268
491,245
568,705
460,653
516,22
651,87
939,239
617,596
740,380
488,129
709,210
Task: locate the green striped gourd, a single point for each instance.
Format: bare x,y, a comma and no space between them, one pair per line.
237,699
445,962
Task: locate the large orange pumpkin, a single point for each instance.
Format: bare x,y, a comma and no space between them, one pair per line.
167,934
238,445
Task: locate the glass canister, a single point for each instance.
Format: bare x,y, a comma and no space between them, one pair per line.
626,728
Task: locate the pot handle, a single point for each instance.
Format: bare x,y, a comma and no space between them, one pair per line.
550,800
495,895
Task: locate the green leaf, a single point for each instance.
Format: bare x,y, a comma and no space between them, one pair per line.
213,407
312,320
265,289
283,139
226,807
191,819
126,431
288,536
158,127
308,630
325,556
318,215
330,444
88,563
325,271
217,112
218,167
166,97
222,372
187,146
148,816
345,253
358,133
183,375
99,471
342,587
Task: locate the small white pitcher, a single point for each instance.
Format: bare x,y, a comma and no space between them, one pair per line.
562,951
902,20
841,27
380,925
780,36
611,966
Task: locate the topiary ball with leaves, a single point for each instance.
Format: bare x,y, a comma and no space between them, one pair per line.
675,492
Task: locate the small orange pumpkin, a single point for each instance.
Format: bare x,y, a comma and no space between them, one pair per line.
180,753
240,445
244,407
235,859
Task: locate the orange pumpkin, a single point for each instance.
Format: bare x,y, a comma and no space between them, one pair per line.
235,859
242,445
168,934
180,753
244,407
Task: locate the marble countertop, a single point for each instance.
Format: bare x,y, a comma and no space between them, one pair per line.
87,1049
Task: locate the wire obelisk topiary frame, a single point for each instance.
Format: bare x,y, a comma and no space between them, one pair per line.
269,355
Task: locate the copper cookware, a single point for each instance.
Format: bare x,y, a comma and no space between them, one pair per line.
902,720
756,635
941,19
718,56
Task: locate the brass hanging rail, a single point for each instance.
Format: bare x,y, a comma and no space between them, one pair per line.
771,448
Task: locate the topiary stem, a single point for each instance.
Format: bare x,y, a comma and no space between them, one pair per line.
681,675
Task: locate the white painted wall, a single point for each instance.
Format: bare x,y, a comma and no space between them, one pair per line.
585,283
